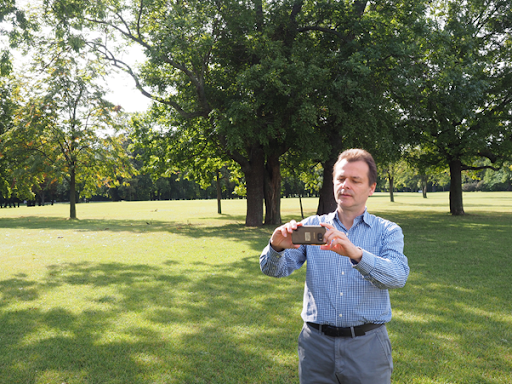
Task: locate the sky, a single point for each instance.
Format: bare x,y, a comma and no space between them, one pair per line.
123,93
122,86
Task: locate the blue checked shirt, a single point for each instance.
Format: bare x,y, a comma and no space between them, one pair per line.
338,291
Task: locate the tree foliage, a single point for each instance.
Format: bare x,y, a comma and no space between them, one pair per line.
458,94
16,29
253,80
7,108
64,128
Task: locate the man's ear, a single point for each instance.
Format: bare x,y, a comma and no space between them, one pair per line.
372,189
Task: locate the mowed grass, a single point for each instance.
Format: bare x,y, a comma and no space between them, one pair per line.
171,292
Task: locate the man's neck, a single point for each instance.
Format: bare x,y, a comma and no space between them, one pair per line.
347,217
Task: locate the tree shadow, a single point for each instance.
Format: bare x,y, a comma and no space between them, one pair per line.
255,237
157,324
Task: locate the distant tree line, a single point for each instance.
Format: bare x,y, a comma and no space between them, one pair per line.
143,187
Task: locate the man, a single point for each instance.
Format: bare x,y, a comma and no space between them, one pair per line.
346,300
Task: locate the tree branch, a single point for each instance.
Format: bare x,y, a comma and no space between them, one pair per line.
108,55
471,168
198,83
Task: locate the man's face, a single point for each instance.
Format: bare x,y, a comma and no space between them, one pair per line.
351,186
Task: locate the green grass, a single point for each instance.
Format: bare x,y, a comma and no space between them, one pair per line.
171,292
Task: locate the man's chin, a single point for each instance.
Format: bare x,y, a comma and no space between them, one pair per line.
343,204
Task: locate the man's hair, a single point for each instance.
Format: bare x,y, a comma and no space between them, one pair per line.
356,154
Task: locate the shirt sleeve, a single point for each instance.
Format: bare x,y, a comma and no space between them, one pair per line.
390,268
281,264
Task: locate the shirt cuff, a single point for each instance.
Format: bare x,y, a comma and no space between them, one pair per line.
273,253
366,264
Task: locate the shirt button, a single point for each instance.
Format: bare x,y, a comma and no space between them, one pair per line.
341,315
342,272
341,293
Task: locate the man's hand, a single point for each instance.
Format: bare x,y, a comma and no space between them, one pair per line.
282,236
338,242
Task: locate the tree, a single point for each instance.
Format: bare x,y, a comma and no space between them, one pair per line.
254,72
14,28
501,180
460,94
65,129
365,45
7,107
180,149
179,39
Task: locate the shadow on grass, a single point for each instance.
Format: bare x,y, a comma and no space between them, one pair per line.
40,222
255,237
152,325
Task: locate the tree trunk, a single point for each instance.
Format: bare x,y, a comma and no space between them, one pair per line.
456,206
391,179
72,194
424,184
254,172
272,190
219,193
327,201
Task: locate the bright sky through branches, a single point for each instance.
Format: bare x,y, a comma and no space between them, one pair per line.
120,86
123,93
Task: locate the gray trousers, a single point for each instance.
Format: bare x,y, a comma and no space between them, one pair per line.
344,360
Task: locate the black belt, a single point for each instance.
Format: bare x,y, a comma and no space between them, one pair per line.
360,330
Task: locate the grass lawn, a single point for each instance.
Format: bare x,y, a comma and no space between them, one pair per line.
171,292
